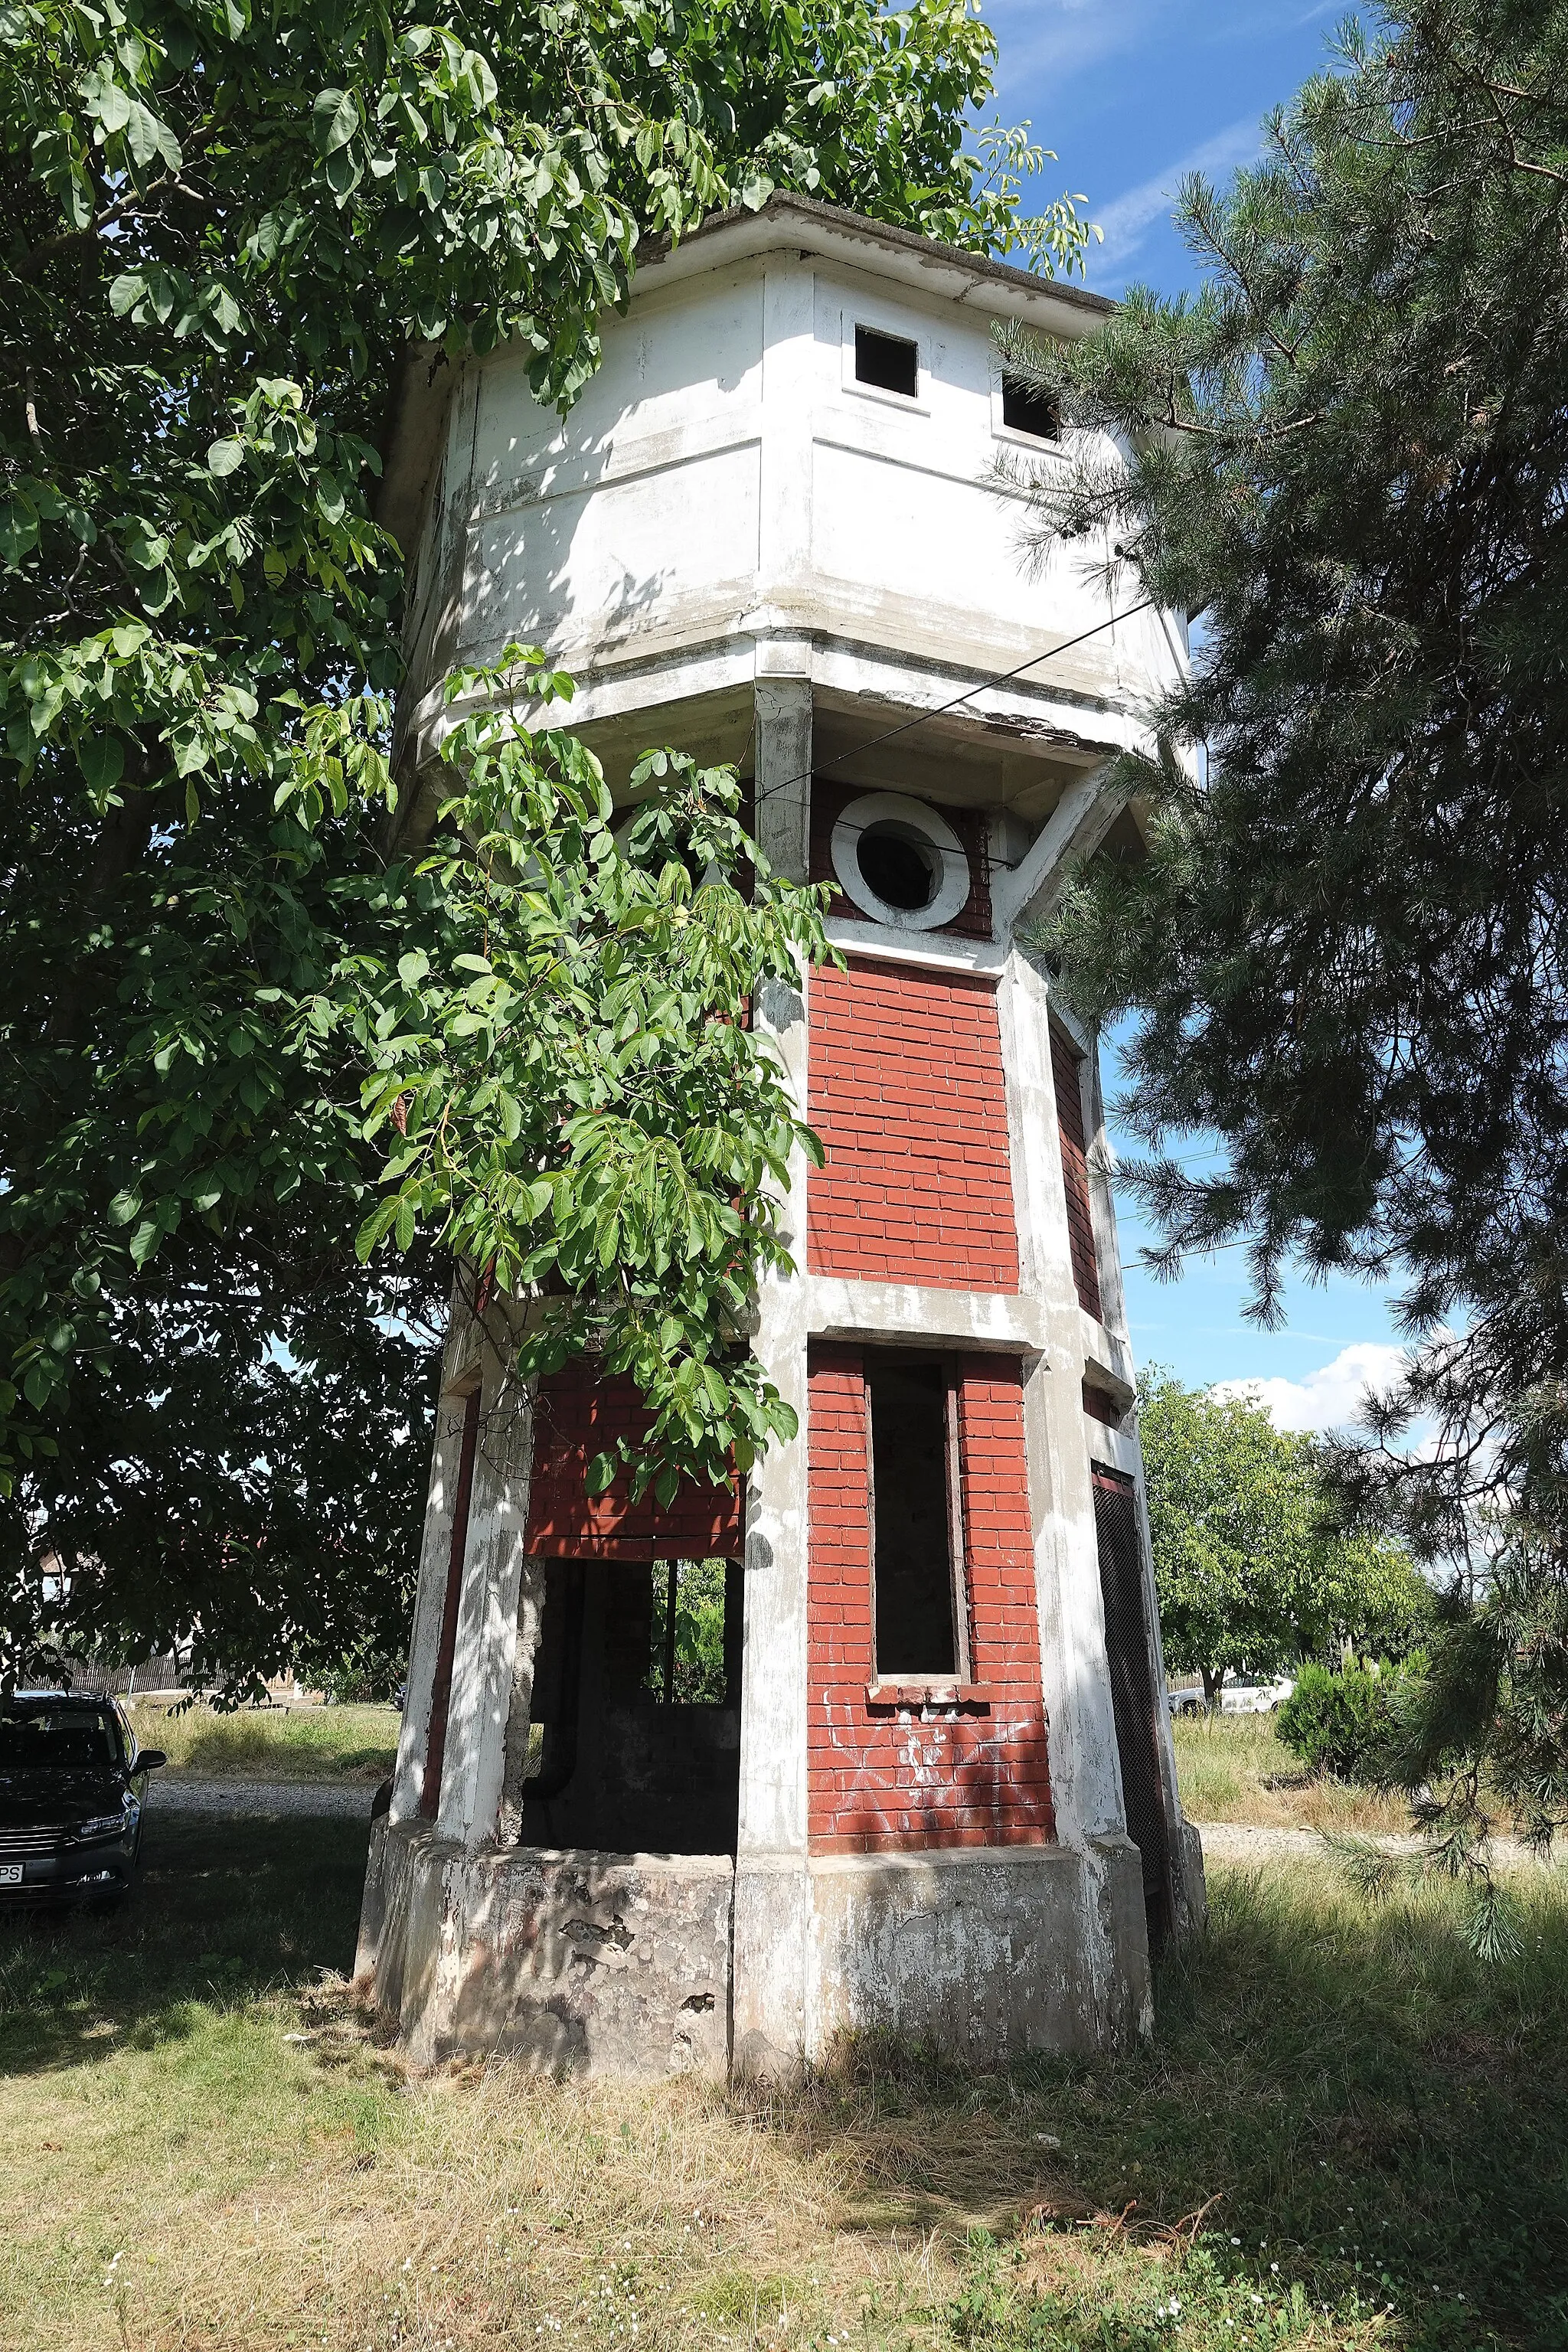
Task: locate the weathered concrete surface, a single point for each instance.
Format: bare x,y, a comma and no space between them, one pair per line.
579,1963
987,1951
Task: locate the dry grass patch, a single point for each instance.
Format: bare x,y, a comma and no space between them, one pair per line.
1235,1768
1346,2135
272,1743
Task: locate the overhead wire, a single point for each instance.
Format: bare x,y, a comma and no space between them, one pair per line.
922,719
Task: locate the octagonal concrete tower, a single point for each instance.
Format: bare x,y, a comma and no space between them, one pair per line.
918,1776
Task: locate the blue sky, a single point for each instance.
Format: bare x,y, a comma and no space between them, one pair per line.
1132,94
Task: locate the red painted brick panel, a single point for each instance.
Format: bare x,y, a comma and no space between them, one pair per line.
1066,1070
907,1096
883,1780
576,1416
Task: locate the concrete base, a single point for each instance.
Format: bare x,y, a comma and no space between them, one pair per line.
647,1965
578,1963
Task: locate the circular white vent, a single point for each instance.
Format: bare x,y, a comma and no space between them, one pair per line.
901,863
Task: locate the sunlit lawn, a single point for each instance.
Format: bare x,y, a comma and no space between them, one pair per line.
1233,1767
202,2147
301,1743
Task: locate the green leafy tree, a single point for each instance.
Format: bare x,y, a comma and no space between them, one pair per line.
1248,1570
1349,455
228,231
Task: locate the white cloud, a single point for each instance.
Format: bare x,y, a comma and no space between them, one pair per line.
1062,38
1128,218
1330,1397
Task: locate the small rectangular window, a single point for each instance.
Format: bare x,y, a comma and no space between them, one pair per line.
1025,408
889,362
917,1537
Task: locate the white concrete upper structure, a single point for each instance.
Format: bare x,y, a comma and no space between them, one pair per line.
725,496
738,545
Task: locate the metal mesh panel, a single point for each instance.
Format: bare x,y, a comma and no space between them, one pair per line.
1132,1688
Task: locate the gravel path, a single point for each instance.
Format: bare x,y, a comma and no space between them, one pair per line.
346,1800
1241,1841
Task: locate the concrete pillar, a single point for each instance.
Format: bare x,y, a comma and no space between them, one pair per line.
772,1922
519,1710
482,1693
459,1369
1085,1773
1186,1857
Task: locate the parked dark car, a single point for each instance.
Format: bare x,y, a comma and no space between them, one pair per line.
72,1786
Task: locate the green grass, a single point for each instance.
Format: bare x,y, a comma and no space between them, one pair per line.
202,2147
1235,1768
274,1743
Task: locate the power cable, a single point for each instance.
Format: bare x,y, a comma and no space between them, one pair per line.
1001,678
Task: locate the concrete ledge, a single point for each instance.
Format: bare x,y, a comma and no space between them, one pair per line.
836,1307
626,1964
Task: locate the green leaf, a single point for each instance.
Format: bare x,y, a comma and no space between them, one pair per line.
602,1474
101,759
334,118
225,457
145,1241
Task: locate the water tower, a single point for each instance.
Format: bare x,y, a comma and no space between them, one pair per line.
931,1787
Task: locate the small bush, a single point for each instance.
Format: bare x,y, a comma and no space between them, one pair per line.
1338,1723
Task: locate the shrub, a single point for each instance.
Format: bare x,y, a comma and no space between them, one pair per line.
1339,1723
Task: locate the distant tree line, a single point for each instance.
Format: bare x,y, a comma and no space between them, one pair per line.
1252,1571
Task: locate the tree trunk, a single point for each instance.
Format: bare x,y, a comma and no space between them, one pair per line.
1214,1682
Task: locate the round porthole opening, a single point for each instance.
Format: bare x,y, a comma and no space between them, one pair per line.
899,861
902,869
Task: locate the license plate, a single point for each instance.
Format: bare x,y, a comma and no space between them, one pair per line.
10,1874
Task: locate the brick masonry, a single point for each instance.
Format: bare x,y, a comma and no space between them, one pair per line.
882,1779
576,1416
906,1094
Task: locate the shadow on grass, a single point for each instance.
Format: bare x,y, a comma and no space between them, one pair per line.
1361,2112
226,1910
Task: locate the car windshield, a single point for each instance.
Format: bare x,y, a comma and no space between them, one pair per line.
46,1738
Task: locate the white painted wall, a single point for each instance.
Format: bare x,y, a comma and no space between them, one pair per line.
724,474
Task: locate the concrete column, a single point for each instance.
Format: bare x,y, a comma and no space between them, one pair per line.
1086,1780
519,1711
1086,1771
772,1912
434,1556
783,806
482,1662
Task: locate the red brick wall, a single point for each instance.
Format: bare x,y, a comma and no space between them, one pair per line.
1066,1070
883,1777
577,1416
906,1094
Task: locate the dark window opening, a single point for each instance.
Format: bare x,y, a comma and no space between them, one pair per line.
889,362
916,1535
635,1712
1027,408
902,871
